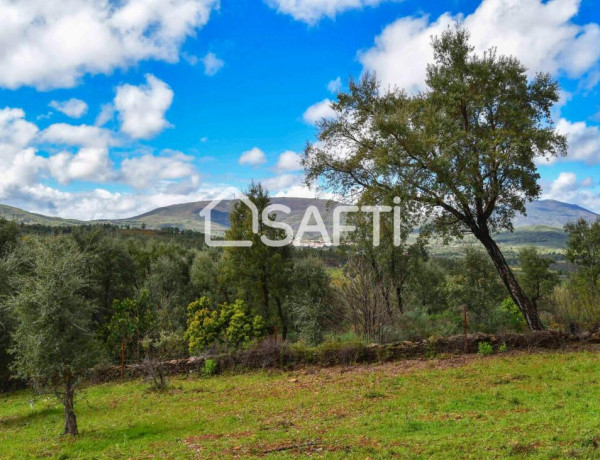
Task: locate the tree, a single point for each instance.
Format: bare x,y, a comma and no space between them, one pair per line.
54,345
9,237
583,248
474,284
260,273
537,279
461,153
128,326
309,300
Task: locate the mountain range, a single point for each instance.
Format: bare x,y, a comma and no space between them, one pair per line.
544,218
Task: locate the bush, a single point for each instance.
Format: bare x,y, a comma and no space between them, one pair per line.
577,305
229,324
210,367
485,348
503,348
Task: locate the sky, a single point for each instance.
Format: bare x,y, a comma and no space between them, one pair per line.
112,108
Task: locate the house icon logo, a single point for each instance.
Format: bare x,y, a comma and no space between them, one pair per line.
230,193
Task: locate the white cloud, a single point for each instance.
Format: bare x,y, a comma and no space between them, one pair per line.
142,108
107,113
567,188
253,157
145,171
282,182
91,164
288,161
78,135
318,111
74,108
212,64
541,34
334,86
583,140
311,11
298,191
52,44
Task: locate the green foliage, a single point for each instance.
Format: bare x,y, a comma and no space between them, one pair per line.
537,279
209,368
230,324
131,321
485,348
474,282
503,348
54,339
577,304
513,316
309,301
460,155
260,275
583,248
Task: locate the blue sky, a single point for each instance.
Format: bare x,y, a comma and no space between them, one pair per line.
110,109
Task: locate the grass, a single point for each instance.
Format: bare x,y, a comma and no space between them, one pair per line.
515,404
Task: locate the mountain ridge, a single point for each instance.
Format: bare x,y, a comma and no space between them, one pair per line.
186,216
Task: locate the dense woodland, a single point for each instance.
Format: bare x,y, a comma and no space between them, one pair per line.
461,159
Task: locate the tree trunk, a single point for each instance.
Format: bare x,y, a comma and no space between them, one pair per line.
525,304
282,318
70,418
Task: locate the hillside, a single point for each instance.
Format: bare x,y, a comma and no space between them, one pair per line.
30,218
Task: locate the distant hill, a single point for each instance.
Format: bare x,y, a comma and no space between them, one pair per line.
30,218
552,213
187,215
542,226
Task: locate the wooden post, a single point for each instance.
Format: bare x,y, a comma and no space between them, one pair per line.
465,328
276,347
122,358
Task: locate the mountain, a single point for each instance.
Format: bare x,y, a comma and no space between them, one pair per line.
187,215
542,226
30,218
552,213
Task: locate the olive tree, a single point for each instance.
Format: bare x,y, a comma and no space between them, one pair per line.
461,153
54,344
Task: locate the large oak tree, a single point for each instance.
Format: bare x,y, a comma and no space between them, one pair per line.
462,153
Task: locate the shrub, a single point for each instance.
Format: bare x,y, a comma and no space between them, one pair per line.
503,348
210,367
485,348
229,324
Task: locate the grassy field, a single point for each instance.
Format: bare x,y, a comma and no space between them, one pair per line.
521,405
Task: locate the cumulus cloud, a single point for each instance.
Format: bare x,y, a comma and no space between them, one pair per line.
311,11
74,108
158,180
212,64
77,135
318,111
53,44
90,164
282,182
147,170
541,34
288,161
583,142
142,108
253,157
